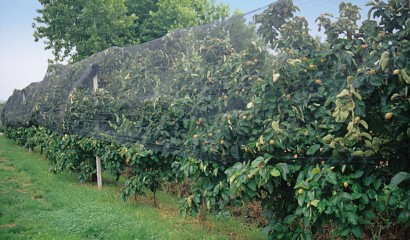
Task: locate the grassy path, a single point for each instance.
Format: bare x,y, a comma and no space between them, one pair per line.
36,204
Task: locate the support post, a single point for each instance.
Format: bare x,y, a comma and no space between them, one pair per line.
99,179
24,96
97,159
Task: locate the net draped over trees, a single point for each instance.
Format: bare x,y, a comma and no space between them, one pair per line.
261,108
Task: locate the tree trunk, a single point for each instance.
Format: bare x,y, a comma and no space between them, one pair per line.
93,177
155,200
202,211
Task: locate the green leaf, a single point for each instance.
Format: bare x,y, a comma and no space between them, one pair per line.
369,180
347,196
369,215
352,218
364,199
356,195
275,172
350,53
290,219
331,177
377,183
257,100
252,185
369,153
403,217
345,231
269,187
313,149
357,95
399,177
357,174
284,169
357,231
301,199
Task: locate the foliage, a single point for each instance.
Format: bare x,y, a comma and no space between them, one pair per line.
77,29
209,191
177,14
343,190
48,206
148,170
318,132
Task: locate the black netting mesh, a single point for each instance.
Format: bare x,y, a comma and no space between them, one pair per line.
179,94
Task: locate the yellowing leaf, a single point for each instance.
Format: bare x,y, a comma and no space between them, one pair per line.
231,179
364,124
261,140
293,62
366,135
405,77
275,126
350,79
314,202
189,200
350,126
315,171
394,96
275,172
344,93
328,138
358,154
384,60
275,77
128,77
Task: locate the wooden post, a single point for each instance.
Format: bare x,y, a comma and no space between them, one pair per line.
99,179
97,159
95,82
24,96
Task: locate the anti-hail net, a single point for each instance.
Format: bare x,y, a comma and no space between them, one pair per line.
188,93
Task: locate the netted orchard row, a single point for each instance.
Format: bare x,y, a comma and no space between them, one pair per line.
251,108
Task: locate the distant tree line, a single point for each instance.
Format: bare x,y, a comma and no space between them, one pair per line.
76,29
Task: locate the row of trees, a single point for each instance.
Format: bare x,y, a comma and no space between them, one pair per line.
319,133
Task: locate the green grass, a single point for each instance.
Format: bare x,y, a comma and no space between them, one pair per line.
36,204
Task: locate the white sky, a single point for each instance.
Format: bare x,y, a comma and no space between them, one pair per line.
23,61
